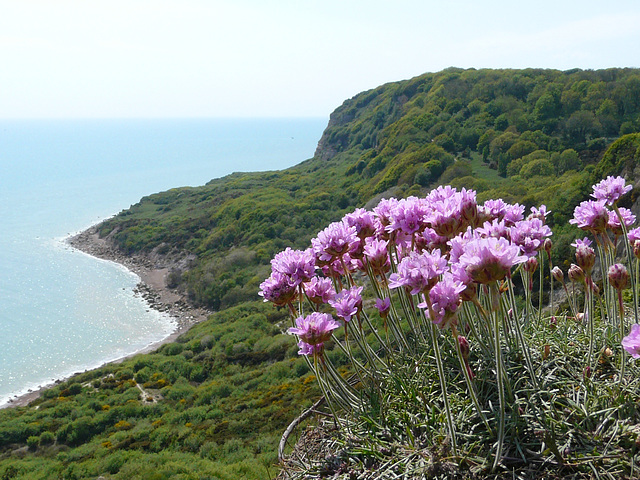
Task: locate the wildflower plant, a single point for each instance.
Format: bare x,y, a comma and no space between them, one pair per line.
442,286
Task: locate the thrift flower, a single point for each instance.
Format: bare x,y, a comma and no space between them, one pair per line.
610,189
557,274
298,265
418,272
513,214
576,274
496,228
493,209
333,242
618,276
631,343
634,235
445,300
278,289
376,253
585,256
529,235
490,259
469,207
540,213
347,303
591,215
314,329
363,221
310,350
383,306
407,216
319,290
446,217
614,221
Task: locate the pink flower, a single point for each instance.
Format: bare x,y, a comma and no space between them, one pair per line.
446,217
585,255
591,215
333,242
314,329
529,235
376,253
631,343
493,209
347,303
298,265
363,221
445,300
540,213
384,209
408,215
307,349
490,259
319,290
429,240
469,207
581,242
278,289
513,214
419,271
383,306
634,235
496,228
614,221
618,276
610,189
557,274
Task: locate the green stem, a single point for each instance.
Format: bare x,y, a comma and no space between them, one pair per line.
443,387
500,381
467,377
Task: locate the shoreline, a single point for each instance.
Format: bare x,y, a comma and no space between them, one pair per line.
152,288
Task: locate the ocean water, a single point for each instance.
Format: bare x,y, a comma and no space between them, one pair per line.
62,311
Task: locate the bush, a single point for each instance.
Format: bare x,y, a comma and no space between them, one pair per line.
32,442
46,438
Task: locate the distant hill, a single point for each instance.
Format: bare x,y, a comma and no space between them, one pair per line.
531,136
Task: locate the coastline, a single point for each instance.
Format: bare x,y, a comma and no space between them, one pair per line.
152,270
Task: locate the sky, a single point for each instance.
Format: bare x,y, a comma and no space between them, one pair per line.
279,58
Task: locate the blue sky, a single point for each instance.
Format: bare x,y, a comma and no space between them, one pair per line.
246,58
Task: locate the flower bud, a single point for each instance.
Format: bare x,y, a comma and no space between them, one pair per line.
587,372
547,245
585,258
636,248
546,352
576,274
531,265
557,274
618,276
464,347
383,306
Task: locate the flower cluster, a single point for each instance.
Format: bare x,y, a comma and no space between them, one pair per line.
442,246
444,262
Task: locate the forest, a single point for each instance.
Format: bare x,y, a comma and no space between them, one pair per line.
214,403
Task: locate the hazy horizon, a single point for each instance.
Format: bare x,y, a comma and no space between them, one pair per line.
251,59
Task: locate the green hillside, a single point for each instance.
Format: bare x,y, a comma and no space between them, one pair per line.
214,403
527,136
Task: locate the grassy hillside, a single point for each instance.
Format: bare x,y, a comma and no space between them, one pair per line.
528,136
213,404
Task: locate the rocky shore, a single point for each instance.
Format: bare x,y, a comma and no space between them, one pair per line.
153,270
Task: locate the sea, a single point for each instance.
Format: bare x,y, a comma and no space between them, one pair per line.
63,311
